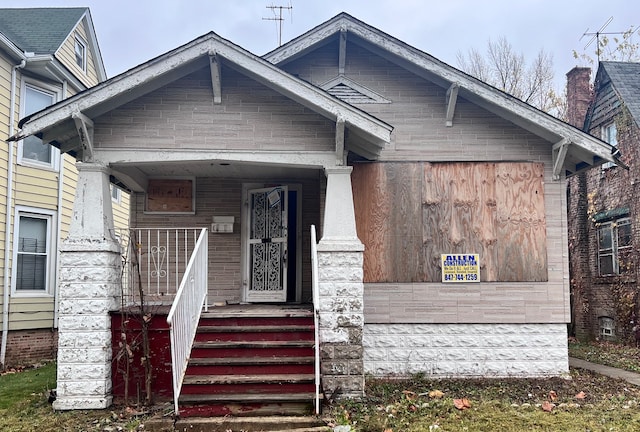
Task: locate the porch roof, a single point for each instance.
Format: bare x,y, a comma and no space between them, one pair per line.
60,123
572,149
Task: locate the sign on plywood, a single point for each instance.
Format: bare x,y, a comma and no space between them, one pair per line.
460,267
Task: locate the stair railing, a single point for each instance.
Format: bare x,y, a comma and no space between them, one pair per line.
185,312
316,313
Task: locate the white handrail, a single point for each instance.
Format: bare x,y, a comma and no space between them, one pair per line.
185,312
316,301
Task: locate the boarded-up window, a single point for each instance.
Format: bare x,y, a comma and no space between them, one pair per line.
408,214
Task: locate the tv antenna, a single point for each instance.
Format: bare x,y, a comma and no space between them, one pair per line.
277,16
596,36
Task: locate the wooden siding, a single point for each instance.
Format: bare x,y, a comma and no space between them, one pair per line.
408,214
66,55
182,115
217,196
5,90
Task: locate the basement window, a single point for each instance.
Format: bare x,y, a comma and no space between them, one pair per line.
606,327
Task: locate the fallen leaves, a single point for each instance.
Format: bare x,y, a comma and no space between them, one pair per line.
436,394
548,406
581,395
462,404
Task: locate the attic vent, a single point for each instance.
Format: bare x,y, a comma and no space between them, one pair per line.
351,92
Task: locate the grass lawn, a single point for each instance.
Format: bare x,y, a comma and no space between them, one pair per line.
606,353
586,402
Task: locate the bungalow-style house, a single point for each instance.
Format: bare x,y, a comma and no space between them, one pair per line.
603,206
46,55
439,203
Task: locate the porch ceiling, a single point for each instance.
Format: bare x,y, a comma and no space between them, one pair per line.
134,177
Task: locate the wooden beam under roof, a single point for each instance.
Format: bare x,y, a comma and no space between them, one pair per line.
342,55
451,100
216,77
84,126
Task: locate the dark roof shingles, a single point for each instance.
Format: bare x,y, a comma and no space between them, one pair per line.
39,30
625,78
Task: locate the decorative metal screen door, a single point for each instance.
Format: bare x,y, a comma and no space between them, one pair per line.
267,245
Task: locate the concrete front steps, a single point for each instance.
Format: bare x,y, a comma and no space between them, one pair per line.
251,361
235,424
252,424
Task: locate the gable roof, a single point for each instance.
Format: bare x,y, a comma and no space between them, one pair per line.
39,30
55,124
35,35
580,150
625,78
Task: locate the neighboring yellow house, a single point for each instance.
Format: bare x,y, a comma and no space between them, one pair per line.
46,55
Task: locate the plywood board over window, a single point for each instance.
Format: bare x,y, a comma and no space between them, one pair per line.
170,195
408,214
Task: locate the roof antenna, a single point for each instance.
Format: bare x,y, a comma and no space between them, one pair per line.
596,36
278,17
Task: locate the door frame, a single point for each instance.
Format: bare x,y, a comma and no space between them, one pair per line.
245,226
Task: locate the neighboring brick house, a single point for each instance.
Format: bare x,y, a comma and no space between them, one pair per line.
603,205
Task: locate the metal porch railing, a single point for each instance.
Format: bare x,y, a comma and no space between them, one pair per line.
185,312
155,260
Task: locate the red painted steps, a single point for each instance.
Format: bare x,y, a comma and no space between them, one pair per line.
251,361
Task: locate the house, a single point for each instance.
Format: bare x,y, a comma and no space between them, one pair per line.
46,55
603,205
440,204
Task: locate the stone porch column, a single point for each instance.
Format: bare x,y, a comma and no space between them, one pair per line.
88,289
340,255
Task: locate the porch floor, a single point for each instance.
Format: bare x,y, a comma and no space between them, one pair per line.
259,310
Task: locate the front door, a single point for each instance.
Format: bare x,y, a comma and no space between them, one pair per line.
267,244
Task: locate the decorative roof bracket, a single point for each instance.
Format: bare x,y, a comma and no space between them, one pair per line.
342,55
559,153
216,77
340,135
451,100
84,126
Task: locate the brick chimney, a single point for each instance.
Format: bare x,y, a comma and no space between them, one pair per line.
579,95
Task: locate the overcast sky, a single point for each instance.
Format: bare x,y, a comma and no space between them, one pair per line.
131,32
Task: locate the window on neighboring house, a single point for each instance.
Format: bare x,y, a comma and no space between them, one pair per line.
609,134
32,252
32,149
614,247
80,49
115,194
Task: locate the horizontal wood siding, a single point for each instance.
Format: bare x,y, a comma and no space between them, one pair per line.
182,115
66,55
408,214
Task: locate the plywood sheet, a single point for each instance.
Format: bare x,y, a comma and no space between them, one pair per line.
408,214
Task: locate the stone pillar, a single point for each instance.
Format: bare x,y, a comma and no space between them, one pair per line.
340,255
88,290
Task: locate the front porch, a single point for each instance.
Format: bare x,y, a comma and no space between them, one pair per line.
177,272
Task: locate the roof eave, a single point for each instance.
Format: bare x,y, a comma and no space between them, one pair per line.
376,131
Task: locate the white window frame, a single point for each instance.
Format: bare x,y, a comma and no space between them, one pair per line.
609,134
615,249
116,194
51,274
79,42
55,92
